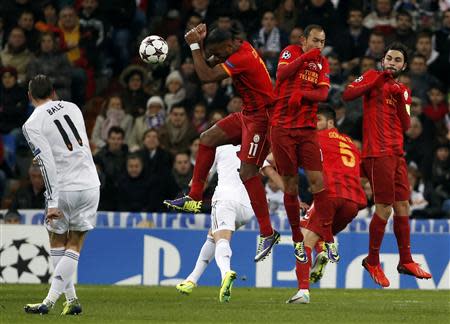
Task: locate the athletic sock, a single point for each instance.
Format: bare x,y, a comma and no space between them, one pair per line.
302,271
292,206
402,234
223,256
376,234
56,255
204,258
258,199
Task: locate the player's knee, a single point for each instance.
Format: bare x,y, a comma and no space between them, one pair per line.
401,208
383,210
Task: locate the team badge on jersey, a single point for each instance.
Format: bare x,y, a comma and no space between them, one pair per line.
359,79
286,55
405,95
256,138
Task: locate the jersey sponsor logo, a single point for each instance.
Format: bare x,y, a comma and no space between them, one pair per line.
286,55
313,66
308,75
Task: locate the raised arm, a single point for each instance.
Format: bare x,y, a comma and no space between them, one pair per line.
205,73
363,84
285,70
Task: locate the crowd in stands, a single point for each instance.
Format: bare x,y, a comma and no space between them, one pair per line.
144,120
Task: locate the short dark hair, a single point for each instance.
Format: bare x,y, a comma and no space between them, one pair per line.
117,130
420,56
377,33
40,87
150,130
218,35
404,13
327,111
396,46
179,105
135,156
311,27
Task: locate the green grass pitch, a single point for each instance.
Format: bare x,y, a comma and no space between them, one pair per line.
127,304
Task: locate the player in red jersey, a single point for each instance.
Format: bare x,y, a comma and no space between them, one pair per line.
240,61
302,81
386,116
341,167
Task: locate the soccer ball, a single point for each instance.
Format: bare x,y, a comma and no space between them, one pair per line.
153,49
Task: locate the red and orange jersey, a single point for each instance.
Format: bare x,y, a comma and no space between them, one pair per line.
382,128
341,166
309,76
251,78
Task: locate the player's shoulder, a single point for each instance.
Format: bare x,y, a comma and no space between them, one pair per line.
290,51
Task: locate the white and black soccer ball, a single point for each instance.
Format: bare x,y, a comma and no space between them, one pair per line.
153,49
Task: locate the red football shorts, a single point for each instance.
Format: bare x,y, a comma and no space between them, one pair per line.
295,147
344,211
251,132
388,177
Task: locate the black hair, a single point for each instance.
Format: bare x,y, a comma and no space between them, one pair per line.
327,111
117,130
417,55
404,13
40,87
135,156
218,35
150,130
396,46
311,27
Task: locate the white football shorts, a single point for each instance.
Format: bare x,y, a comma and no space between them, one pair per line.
229,215
79,209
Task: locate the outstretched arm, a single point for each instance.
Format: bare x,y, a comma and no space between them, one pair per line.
362,85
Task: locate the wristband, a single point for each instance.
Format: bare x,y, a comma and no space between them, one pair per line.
194,46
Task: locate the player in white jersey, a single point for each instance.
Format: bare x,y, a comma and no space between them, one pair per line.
231,209
57,137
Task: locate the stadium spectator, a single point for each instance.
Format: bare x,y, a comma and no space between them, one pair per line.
92,24
421,80
2,33
133,186
190,79
269,41
234,105
173,59
31,196
417,188
352,42
175,90
274,197
437,107
376,45
177,134
336,75
382,18
16,53
11,10
12,217
13,102
246,12
199,120
111,160
54,64
134,98
153,118
418,148
213,96
440,180
442,36
429,129
287,15
294,36
182,171
320,12
203,9
367,63
113,114
26,22
82,73
438,65
404,32
157,161
193,150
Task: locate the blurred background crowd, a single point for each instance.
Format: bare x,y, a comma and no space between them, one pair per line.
144,120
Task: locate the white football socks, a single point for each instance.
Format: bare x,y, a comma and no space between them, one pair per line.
223,256
204,258
56,255
62,276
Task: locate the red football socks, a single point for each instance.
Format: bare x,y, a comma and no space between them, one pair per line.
302,271
376,234
323,208
402,234
292,207
203,163
257,195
